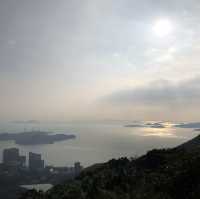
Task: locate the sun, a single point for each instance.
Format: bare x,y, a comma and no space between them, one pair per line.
163,27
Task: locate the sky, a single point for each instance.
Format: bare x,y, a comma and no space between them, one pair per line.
100,59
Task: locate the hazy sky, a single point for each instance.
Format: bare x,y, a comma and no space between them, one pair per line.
99,59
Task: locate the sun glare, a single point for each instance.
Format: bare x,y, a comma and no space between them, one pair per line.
163,27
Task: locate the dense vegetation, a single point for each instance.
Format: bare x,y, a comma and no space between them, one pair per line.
160,174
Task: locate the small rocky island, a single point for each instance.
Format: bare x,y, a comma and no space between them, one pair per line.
35,137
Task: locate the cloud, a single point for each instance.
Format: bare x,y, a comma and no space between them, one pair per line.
159,93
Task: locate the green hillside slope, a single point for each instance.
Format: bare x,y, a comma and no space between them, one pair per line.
160,174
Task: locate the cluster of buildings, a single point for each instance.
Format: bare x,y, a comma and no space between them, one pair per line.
12,160
30,172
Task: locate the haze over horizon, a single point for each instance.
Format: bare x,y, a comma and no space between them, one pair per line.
99,59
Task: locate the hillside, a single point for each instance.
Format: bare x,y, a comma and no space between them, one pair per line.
191,145
160,174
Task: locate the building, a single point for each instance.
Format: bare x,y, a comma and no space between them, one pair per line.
77,168
12,158
22,160
35,161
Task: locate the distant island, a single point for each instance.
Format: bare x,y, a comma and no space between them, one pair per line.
134,125
150,125
192,125
35,137
26,122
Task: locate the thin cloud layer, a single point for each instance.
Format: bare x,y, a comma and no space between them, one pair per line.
160,93
57,56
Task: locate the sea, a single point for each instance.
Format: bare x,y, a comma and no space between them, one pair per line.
97,142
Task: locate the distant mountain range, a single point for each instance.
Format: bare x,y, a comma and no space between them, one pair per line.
160,174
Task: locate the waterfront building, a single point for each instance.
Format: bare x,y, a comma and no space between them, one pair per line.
12,158
35,161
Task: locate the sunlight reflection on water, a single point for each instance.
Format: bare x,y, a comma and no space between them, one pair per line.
99,142
161,132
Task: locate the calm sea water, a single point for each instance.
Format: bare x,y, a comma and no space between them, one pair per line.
96,142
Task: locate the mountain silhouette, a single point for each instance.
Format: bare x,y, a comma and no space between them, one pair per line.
160,174
191,145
